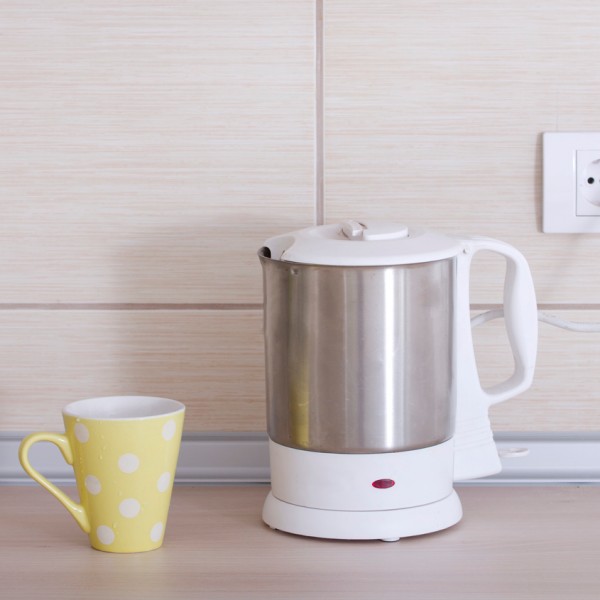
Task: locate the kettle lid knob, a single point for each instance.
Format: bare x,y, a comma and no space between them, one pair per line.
353,230
373,230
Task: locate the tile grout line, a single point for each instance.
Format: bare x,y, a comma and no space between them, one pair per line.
182,306
147,306
319,110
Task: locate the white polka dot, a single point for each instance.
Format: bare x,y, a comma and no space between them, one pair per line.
105,534
156,532
82,433
130,508
92,485
168,430
163,482
128,463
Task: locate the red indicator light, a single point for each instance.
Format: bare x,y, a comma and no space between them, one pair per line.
384,484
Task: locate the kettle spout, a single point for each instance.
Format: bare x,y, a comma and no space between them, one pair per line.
275,247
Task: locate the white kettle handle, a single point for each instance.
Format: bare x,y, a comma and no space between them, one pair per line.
475,451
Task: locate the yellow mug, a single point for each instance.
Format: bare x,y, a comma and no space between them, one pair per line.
124,453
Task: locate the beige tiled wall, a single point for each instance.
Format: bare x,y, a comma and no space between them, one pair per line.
149,147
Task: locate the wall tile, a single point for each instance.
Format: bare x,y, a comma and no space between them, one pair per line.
213,361
565,395
210,360
150,147
434,113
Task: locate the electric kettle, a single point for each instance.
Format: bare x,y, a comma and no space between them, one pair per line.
374,404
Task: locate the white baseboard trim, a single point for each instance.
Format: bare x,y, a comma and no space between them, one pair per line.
219,458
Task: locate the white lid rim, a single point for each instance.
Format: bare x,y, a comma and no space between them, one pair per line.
380,244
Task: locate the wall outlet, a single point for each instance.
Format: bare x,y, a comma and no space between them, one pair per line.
571,183
588,182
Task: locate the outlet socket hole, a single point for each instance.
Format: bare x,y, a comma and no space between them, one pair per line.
590,180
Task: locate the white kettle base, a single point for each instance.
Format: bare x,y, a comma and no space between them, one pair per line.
382,496
386,525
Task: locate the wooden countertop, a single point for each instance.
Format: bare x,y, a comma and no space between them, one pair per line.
513,543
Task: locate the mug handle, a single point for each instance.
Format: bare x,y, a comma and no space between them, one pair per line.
76,510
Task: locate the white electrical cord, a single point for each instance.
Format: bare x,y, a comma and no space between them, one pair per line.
498,313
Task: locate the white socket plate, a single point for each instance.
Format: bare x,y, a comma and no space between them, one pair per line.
563,211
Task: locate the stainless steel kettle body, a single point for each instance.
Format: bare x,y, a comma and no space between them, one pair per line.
359,359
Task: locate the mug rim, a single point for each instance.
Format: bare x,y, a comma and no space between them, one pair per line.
171,407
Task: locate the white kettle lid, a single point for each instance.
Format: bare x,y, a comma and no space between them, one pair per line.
362,243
